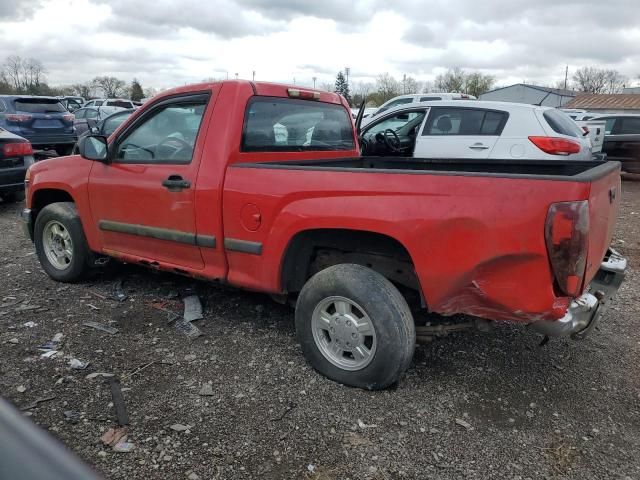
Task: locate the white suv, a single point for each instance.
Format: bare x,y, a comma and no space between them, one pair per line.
110,102
418,97
475,129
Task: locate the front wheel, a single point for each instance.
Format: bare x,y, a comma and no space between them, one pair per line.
355,327
60,242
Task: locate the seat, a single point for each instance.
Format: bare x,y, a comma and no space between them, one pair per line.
443,125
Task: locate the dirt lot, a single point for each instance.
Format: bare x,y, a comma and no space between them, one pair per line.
473,405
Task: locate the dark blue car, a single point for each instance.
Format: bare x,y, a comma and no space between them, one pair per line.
44,121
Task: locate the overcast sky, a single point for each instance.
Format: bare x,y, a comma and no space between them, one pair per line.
171,42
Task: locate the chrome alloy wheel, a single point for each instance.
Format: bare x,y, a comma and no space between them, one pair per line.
57,245
344,333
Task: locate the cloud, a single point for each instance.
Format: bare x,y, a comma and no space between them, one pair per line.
17,9
340,11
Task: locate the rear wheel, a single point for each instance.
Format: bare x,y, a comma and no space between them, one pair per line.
355,327
60,242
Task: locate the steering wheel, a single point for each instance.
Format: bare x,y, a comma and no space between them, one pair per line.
392,140
175,144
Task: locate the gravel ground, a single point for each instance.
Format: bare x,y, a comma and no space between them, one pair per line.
473,405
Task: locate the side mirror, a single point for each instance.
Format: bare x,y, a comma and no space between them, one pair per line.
95,130
94,147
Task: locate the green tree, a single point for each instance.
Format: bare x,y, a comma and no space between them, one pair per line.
342,87
136,92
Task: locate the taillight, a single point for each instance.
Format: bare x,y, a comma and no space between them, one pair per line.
68,117
17,117
555,145
306,94
566,234
17,149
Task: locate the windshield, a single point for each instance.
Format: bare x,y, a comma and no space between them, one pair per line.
290,125
38,105
113,122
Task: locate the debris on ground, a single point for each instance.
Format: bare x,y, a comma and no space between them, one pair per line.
101,327
192,308
464,424
363,425
76,364
53,344
188,329
139,369
37,402
14,340
93,375
118,402
29,324
178,427
123,446
49,354
206,390
118,291
112,436
21,388
71,416
93,307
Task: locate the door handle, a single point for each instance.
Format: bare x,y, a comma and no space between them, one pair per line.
478,146
175,183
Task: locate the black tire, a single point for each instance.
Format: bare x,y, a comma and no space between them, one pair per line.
13,197
64,150
66,214
385,306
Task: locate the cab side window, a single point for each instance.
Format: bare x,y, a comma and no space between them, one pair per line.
167,136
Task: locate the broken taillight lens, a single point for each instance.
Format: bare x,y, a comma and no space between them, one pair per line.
566,235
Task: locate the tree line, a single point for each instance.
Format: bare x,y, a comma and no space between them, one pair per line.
27,76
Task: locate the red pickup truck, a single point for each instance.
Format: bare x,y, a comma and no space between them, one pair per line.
262,186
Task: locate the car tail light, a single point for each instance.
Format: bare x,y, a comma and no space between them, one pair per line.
306,94
555,145
17,149
566,234
17,117
68,117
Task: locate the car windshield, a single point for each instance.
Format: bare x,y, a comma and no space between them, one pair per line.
284,124
113,122
38,105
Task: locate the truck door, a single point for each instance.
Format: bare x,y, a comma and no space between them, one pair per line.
144,200
459,132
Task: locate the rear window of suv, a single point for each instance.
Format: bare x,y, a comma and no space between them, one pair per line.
38,105
561,123
290,125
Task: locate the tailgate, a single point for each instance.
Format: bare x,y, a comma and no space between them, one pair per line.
596,134
604,202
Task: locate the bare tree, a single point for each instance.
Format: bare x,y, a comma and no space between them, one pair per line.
598,80
361,92
326,86
428,87
12,69
410,85
451,81
33,75
110,86
82,89
387,87
476,83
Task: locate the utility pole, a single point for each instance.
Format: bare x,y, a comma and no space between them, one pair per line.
236,76
404,83
347,70
253,76
314,82
566,74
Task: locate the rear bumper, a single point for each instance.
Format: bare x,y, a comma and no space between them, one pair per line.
12,179
585,312
52,139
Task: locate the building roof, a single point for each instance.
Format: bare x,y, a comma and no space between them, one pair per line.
619,101
557,91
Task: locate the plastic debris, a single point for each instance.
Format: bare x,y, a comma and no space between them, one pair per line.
93,375
49,354
101,327
76,364
53,344
30,324
178,427
188,329
112,436
21,388
464,424
118,291
192,308
123,446
363,425
206,390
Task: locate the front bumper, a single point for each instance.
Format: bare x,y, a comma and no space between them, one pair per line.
585,312
27,222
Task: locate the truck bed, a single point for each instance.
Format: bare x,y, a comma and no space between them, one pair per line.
575,171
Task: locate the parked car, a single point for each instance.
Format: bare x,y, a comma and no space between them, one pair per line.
110,102
72,103
418,97
88,118
594,131
44,121
622,139
104,126
475,129
200,182
16,155
367,112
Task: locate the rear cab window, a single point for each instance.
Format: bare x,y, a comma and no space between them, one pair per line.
274,124
38,105
464,121
561,123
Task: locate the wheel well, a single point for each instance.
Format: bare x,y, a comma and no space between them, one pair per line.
47,196
314,250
